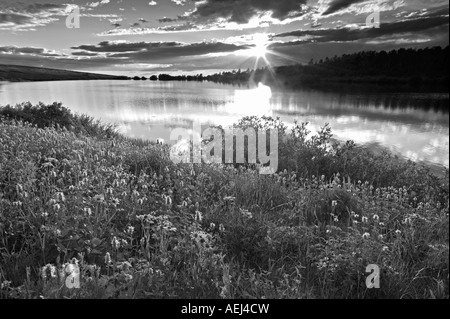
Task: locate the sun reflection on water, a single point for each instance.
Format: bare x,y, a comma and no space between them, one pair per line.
255,101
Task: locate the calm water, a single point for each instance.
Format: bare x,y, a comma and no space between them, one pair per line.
412,125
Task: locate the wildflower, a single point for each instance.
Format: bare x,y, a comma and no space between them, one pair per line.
52,271
115,243
198,216
365,219
246,214
48,268
382,224
99,198
108,259
60,196
380,237
19,188
44,272
334,203
168,200
366,236
385,249
5,284
17,204
376,217
130,230
115,201
221,228
398,231
212,226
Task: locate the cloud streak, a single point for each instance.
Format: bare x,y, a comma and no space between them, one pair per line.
346,34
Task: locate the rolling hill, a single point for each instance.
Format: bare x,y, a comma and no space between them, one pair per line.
16,73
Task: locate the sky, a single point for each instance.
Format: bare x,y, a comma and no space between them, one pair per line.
137,37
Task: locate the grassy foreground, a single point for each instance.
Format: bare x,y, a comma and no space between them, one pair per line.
75,192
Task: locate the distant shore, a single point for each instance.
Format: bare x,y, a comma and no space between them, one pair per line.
17,73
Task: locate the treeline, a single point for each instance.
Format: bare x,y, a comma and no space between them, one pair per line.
167,77
403,68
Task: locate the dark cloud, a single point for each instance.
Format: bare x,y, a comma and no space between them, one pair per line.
142,51
112,47
82,53
14,18
182,50
338,5
28,51
24,50
434,20
37,8
167,20
88,57
240,11
21,16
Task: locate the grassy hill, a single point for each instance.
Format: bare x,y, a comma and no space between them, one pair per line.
140,226
17,73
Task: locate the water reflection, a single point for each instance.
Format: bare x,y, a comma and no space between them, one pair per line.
413,125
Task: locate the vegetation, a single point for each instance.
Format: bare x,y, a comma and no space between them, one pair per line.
139,226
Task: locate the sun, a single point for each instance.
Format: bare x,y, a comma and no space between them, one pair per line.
260,44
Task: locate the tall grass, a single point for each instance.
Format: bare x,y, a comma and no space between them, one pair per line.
140,226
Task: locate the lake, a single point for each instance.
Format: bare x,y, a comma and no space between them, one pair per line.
413,125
